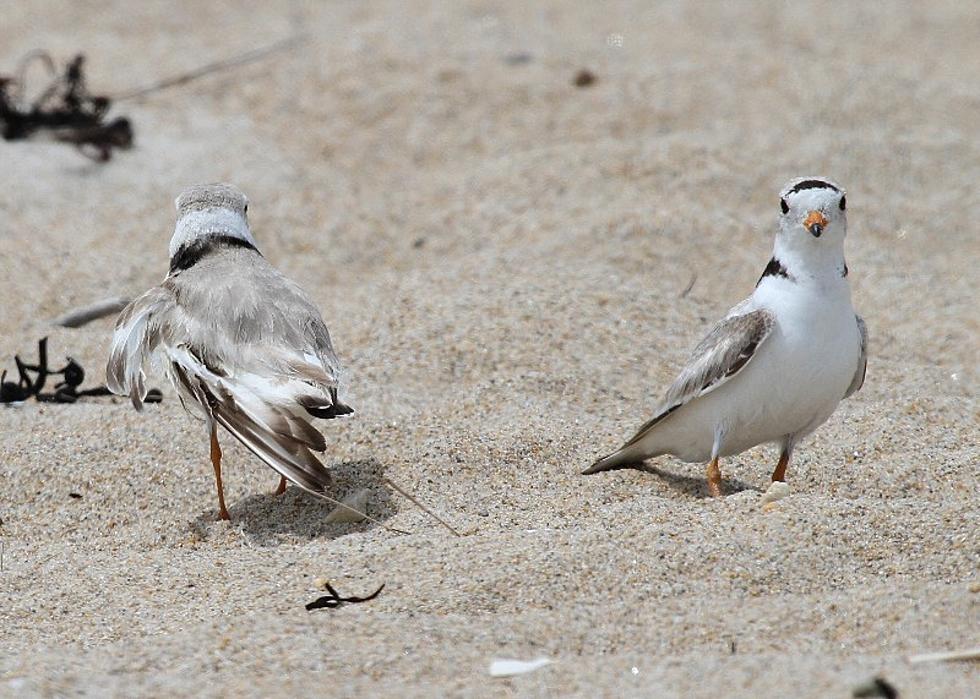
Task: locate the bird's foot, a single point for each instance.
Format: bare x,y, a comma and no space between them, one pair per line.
714,478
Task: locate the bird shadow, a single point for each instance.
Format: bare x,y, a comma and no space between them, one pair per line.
265,519
693,486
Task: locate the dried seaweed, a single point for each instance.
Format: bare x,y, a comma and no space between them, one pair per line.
67,112
876,687
64,110
334,600
66,391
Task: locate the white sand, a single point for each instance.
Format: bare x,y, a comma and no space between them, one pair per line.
500,257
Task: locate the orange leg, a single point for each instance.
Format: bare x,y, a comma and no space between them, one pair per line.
282,485
216,462
714,478
780,473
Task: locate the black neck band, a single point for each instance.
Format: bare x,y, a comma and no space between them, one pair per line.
191,253
773,269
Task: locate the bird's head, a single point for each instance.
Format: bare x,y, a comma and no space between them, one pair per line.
210,209
812,220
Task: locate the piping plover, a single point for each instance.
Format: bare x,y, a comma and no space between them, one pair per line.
244,346
776,367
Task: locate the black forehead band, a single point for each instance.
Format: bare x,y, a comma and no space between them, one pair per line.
812,184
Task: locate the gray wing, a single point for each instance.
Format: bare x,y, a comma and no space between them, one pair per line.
267,323
250,347
245,345
862,368
718,358
259,416
139,330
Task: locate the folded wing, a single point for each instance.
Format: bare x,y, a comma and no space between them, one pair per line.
265,414
244,346
862,367
717,359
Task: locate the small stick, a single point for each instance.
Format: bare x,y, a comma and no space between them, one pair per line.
971,654
77,317
240,60
419,505
690,285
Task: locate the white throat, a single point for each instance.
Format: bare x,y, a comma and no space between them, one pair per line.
809,259
199,224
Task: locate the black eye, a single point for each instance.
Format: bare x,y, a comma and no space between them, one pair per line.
245,210
784,206
843,203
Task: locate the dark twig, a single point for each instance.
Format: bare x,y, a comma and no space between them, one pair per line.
97,142
334,600
217,66
690,285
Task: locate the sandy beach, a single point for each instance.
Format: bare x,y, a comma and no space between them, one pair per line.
513,268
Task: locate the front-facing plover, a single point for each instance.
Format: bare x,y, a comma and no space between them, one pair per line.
244,346
776,367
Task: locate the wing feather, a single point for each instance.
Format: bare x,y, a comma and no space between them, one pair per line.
262,370
137,334
862,368
716,360
723,353
285,340
265,425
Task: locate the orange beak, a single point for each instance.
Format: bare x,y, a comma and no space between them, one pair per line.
815,222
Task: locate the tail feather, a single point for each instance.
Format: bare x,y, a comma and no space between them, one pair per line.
329,412
315,406
290,458
281,439
623,458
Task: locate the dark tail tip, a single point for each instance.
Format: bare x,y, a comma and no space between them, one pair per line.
617,460
596,467
330,412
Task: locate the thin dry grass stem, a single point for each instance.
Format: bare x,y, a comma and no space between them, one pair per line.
422,507
215,67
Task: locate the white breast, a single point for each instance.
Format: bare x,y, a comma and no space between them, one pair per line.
791,386
805,366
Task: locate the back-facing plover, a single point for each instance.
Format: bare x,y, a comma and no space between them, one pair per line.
243,345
